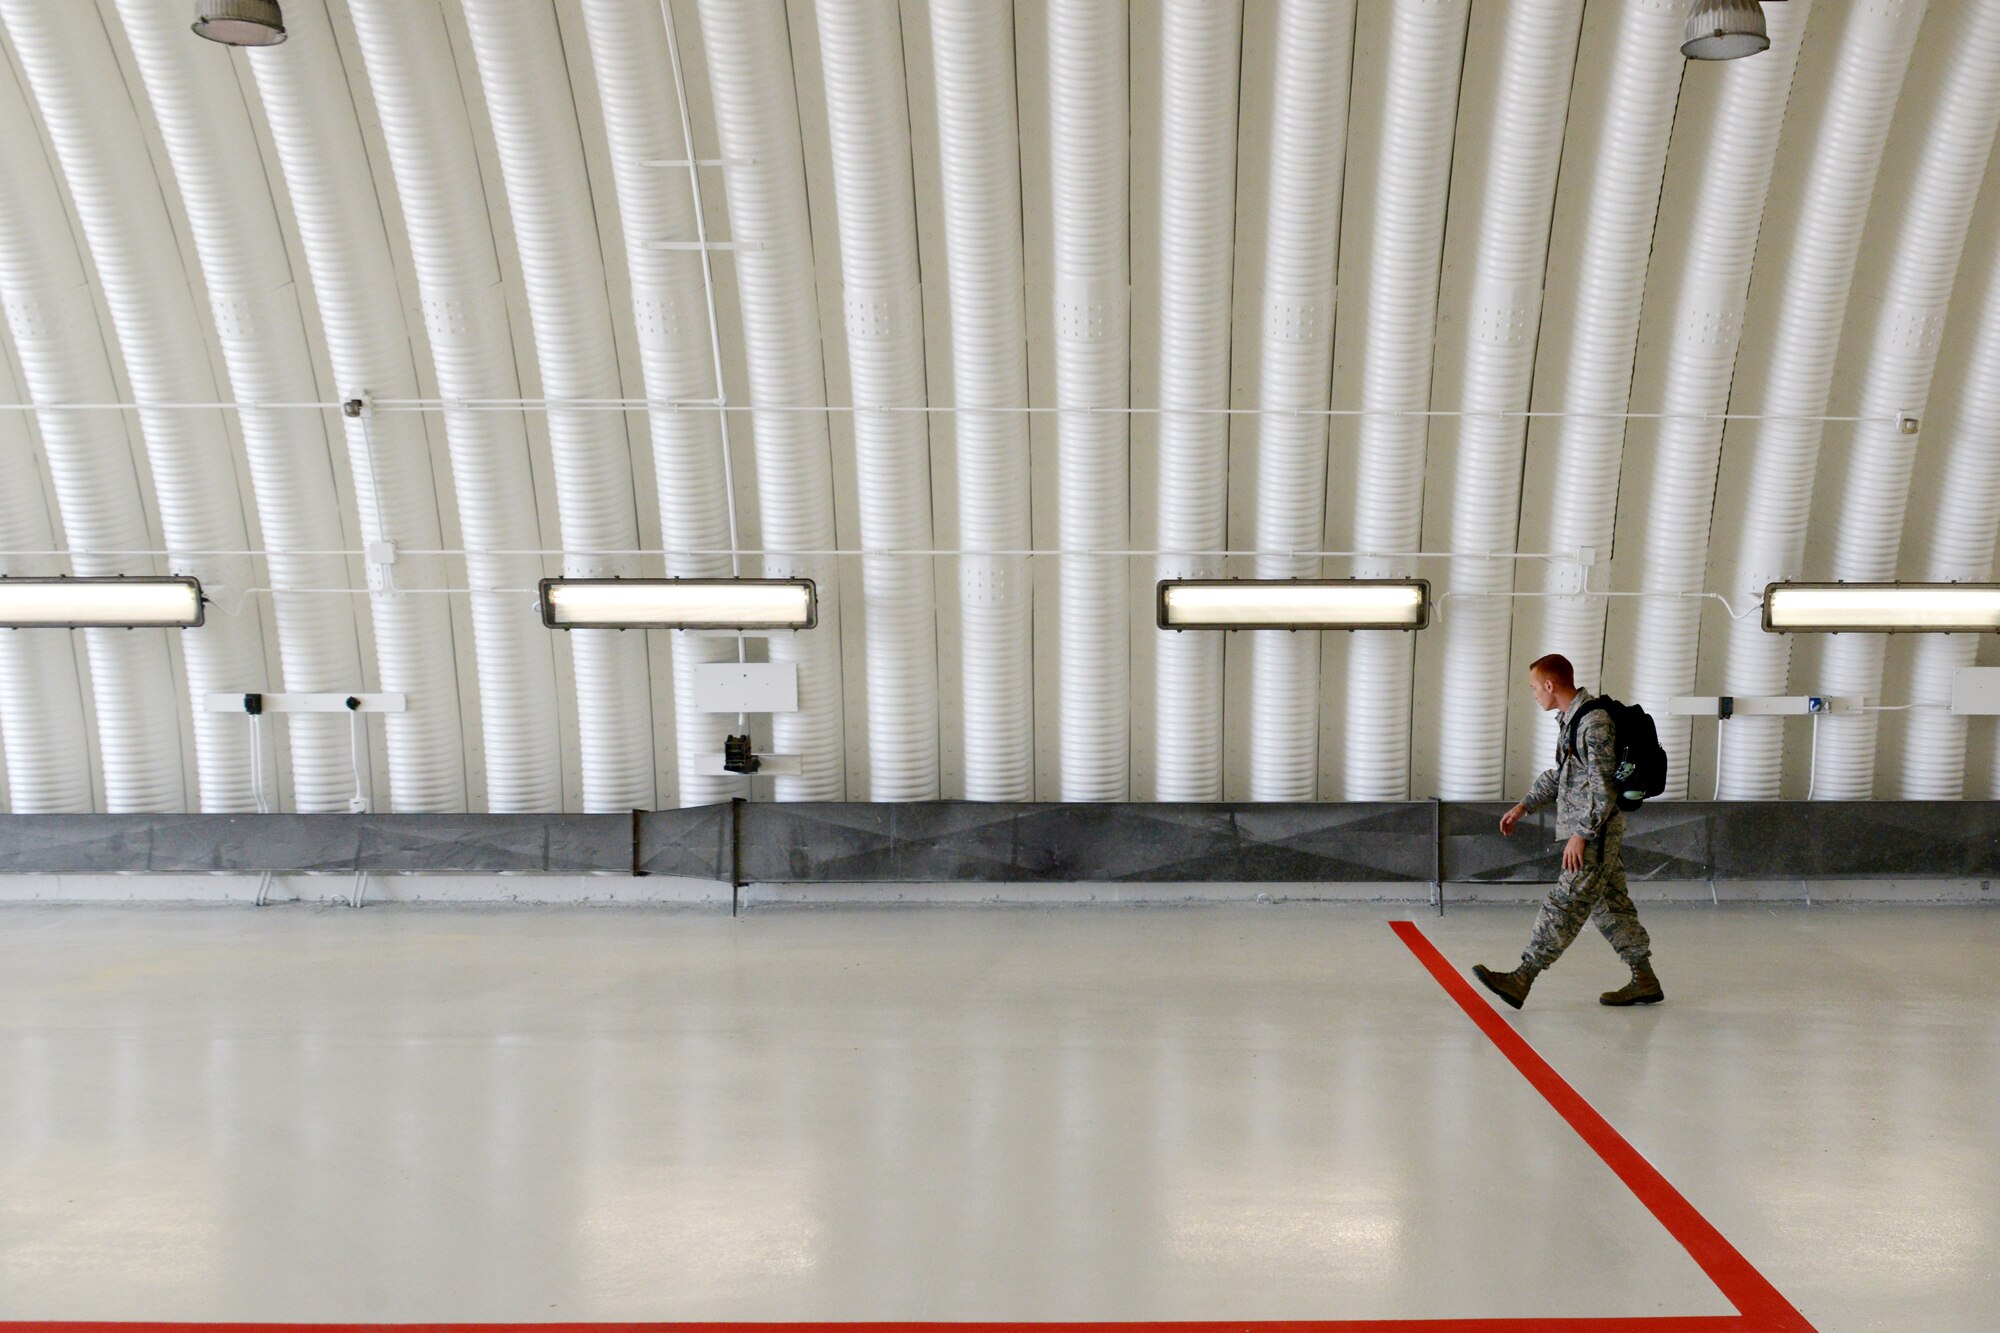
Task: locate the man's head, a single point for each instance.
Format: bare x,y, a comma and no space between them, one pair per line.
1553,681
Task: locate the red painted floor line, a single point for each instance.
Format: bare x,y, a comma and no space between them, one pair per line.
1763,1308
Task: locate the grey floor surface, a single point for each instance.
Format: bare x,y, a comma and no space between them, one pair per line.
404,1114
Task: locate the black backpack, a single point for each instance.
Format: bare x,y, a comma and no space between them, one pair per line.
1642,762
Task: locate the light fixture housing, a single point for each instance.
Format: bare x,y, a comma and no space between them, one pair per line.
1724,30
240,22
1882,608
101,603
1294,604
705,604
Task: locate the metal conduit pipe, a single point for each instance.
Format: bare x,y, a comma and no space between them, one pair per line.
518,48
1202,65
1818,279
404,45
93,470
1531,107
1934,215
1617,243
327,176
628,46
122,210
972,45
1406,251
41,694
861,49
1088,171
1308,150
234,220
1961,548
757,120
1701,363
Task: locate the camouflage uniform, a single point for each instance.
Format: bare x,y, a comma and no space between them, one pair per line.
1586,804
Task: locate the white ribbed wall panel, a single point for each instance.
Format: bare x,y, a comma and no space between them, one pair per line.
861,51
1537,57
199,107
326,172
972,47
1933,215
63,356
642,121
1817,279
1308,157
1420,112
1960,550
1088,167
757,121
42,730
100,144
1701,365
1202,67
1645,78
519,51
407,52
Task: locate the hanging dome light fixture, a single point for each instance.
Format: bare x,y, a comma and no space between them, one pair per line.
1725,30
240,22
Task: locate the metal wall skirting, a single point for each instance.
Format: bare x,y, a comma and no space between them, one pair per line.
1419,842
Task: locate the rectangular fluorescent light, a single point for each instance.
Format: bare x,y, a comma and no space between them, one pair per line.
1310,604
94,603
1882,608
746,604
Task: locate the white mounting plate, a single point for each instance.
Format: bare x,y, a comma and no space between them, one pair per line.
1975,691
1764,705
746,687
307,703
768,766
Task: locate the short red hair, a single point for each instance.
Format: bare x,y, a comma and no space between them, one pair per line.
1557,668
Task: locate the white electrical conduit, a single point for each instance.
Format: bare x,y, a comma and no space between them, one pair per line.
406,47
1201,60
328,179
122,209
642,122
1961,549
757,121
1817,281
1645,81
92,468
1933,216
41,691
972,45
861,51
1531,107
200,110
1089,198
1728,210
1308,155
1406,250
519,51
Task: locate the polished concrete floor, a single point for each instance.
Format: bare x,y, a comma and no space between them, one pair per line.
406,1114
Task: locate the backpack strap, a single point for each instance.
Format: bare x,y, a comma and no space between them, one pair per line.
1591,705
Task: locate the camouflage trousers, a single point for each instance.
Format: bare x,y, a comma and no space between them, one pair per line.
1596,892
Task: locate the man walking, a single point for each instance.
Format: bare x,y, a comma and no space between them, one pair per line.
1593,873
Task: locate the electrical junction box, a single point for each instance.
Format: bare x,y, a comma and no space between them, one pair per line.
746,687
1976,691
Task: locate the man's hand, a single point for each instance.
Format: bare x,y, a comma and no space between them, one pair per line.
1511,818
1573,852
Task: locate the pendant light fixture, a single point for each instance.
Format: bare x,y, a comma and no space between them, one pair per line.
1725,30
240,22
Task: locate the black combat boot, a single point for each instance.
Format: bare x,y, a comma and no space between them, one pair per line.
1643,988
1509,986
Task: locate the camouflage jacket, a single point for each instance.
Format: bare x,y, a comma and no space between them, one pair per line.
1579,785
